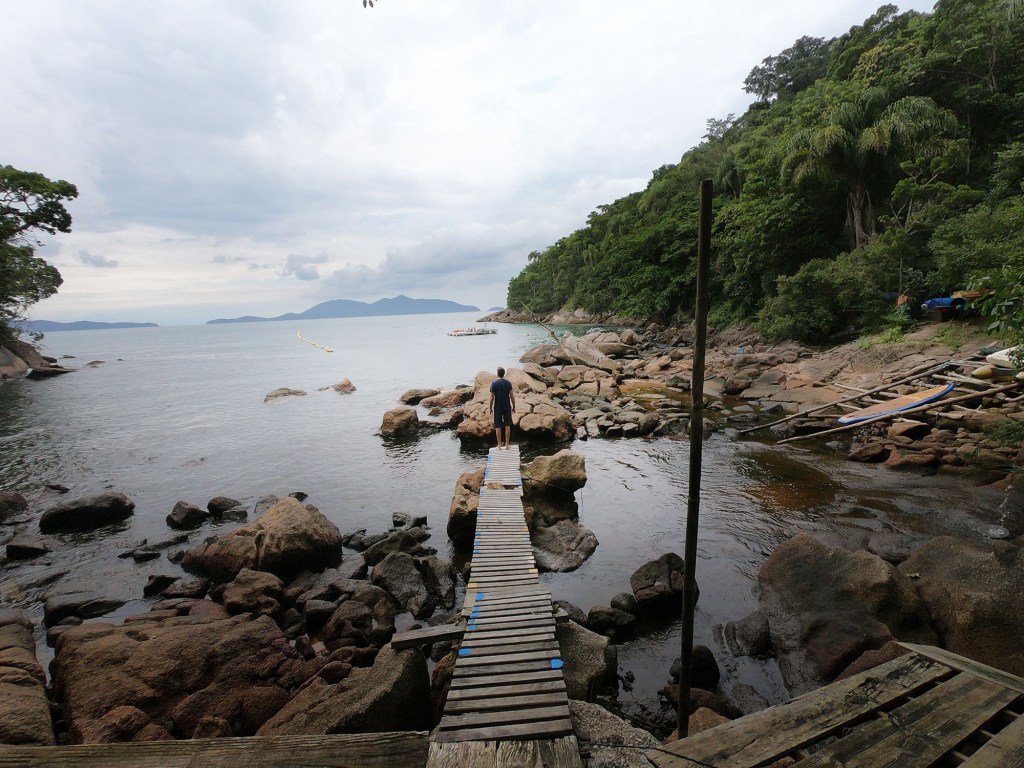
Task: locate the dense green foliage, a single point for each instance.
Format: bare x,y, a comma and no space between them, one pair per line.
888,160
29,203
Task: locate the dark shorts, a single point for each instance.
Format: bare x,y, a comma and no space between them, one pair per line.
503,417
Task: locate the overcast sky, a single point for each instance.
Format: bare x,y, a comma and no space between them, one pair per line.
254,157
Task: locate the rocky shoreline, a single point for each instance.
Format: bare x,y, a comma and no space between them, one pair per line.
282,625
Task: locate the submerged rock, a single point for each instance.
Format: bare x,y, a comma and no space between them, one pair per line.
87,513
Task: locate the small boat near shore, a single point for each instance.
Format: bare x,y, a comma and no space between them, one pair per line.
472,332
902,403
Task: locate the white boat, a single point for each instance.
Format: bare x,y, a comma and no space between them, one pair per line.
472,332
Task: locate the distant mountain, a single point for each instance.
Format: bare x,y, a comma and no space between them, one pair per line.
495,309
50,326
399,305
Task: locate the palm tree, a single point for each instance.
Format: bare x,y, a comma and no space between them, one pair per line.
856,143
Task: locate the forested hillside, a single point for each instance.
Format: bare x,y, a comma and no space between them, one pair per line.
887,160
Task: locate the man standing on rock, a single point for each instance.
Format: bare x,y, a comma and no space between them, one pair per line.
502,405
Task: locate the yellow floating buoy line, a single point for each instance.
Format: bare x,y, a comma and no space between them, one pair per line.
313,343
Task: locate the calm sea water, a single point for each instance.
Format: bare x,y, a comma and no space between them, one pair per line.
177,413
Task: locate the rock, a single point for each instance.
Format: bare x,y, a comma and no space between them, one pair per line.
283,392
178,670
185,515
439,577
749,636
285,540
609,621
922,463
869,453
590,660
393,695
87,513
397,573
440,683
658,584
562,547
871,659
12,504
218,505
157,583
462,514
64,601
626,601
614,743
414,396
825,607
704,673
254,592
186,587
973,592
26,546
400,421
349,624
24,709
400,541
450,399
575,613
344,387
537,417
915,430
561,474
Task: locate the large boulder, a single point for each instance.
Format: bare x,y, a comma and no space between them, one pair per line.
973,593
400,421
825,607
561,474
591,661
24,709
254,592
285,540
537,416
87,513
463,511
177,671
658,584
397,573
392,695
612,742
564,546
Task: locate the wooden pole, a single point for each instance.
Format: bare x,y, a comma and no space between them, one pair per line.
700,340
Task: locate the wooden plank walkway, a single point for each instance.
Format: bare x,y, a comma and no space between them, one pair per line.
508,703
363,750
927,708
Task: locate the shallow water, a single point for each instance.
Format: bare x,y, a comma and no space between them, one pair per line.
178,414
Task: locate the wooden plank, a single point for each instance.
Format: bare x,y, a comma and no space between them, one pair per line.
496,622
482,680
964,664
920,732
560,753
500,691
416,637
517,708
513,667
463,754
518,754
764,736
365,750
484,641
506,658
498,717
486,651
518,731
1004,750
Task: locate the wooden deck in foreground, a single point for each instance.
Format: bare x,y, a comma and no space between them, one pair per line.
927,708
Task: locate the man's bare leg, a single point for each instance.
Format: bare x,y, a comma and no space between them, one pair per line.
508,437
497,435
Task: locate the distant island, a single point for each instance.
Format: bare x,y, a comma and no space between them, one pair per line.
399,305
50,326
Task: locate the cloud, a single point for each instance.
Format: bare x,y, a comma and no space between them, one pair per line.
95,261
300,266
423,146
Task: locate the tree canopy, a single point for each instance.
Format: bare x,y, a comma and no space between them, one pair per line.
889,159
30,204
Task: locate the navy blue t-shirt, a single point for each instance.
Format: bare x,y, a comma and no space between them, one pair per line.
501,388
